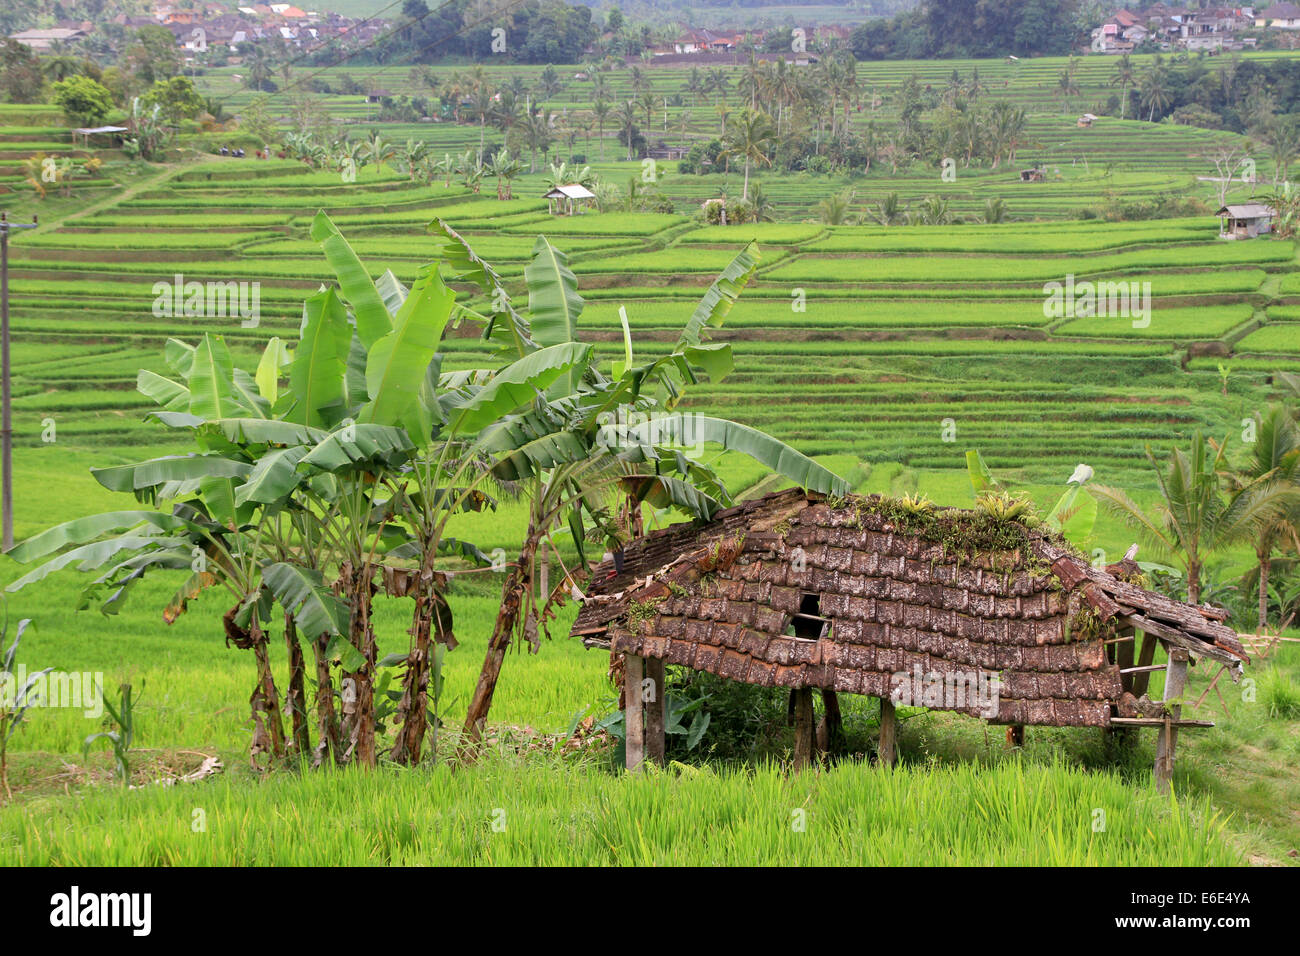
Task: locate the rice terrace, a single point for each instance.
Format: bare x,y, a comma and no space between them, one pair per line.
533,433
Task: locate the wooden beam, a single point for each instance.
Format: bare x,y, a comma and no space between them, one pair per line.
888,748
804,728
1176,637
654,712
1144,669
1167,740
1158,722
634,711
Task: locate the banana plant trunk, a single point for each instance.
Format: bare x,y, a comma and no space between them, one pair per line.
512,597
295,699
358,724
413,709
327,721
268,731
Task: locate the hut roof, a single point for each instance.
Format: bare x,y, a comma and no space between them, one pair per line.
570,191
892,589
1252,210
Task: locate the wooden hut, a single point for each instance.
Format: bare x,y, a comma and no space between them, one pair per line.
1245,221
868,596
1036,175
567,199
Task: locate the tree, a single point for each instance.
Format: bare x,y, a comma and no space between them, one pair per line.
834,210
568,482
750,139
1283,145
1125,76
83,100
177,98
20,72
256,120
625,117
1153,90
601,111
155,55
1274,466
1193,517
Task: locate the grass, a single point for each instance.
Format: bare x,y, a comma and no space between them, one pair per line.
510,813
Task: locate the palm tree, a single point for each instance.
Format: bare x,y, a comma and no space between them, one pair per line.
537,129
889,210
1066,84
1154,88
625,116
995,210
600,110
1193,517
647,102
717,81
750,138
1274,465
1283,144
1125,76
834,210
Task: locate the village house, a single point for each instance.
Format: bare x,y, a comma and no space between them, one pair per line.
42,41
1210,29
1280,16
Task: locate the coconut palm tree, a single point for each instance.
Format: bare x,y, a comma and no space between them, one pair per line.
750,139
600,109
889,211
625,117
1193,516
1274,465
1125,76
834,209
1153,89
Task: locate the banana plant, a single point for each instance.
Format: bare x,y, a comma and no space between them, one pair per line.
567,456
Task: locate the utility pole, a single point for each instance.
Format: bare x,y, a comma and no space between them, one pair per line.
6,425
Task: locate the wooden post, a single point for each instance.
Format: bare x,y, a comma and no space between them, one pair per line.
830,734
1175,681
888,733
634,711
804,730
1142,679
654,712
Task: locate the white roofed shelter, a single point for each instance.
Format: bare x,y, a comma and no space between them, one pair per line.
563,199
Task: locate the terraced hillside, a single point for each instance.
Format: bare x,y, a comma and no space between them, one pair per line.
1132,159
905,344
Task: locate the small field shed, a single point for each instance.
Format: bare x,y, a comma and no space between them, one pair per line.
911,604
1245,221
568,199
